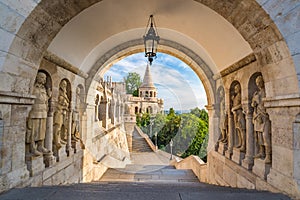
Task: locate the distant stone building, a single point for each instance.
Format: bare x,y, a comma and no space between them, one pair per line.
147,101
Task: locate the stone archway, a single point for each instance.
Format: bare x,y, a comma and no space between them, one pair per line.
275,55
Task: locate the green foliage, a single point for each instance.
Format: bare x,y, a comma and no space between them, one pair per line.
133,82
202,114
188,131
135,93
143,120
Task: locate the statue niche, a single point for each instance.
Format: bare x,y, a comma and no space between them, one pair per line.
36,122
239,118
261,121
60,120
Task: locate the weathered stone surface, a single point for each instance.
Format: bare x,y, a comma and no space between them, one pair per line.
265,38
238,156
262,2
222,148
261,169
292,41
297,164
265,186
229,176
279,8
35,165
15,177
242,182
285,167
11,20
289,24
23,7
6,39
224,8
282,182
21,48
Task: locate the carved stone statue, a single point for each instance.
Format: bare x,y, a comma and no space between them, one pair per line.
223,125
239,120
76,118
36,124
261,122
60,116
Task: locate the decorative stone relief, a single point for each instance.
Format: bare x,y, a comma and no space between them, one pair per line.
36,122
239,119
261,123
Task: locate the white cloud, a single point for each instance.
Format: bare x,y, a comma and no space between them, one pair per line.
177,84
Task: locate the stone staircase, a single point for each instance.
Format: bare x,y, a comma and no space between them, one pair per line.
150,177
149,174
139,144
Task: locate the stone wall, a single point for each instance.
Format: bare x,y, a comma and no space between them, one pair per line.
80,158
232,165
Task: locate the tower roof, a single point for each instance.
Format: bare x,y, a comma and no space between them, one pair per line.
147,82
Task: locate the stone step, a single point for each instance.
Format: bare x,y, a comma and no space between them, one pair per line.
145,191
140,145
149,173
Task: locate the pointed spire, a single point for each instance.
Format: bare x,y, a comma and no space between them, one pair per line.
147,82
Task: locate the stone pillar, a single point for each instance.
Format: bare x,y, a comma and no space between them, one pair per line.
229,151
248,161
118,112
1,137
112,114
49,159
213,129
104,113
69,142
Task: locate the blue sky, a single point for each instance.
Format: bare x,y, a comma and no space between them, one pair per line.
176,82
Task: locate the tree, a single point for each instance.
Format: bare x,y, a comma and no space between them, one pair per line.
133,82
202,114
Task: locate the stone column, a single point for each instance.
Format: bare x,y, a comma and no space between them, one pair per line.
104,113
69,142
1,137
229,151
213,129
49,159
112,113
248,161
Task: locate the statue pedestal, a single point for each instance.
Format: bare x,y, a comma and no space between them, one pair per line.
69,150
76,146
228,154
216,146
237,156
35,164
248,163
261,169
49,159
60,154
222,148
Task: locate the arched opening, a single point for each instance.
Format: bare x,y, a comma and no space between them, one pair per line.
202,48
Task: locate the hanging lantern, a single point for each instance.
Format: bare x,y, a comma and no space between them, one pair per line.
151,40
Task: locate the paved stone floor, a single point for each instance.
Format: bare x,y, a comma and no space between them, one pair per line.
135,191
148,178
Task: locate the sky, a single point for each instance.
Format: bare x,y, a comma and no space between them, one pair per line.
175,81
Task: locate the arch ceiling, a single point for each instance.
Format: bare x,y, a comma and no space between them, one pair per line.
85,38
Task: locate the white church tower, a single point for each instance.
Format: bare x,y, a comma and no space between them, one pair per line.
147,101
